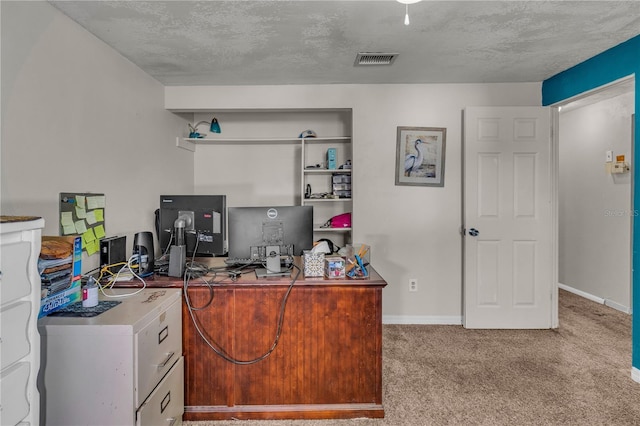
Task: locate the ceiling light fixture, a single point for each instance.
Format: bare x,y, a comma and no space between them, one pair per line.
406,8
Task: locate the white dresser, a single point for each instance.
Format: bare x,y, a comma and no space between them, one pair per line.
121,367
20,303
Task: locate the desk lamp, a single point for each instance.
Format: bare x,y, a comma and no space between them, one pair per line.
214,127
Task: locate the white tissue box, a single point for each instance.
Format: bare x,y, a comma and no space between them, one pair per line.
313,264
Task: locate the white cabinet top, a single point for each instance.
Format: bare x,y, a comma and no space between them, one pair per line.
10,225
132,315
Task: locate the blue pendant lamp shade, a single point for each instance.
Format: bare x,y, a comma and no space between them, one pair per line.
214,126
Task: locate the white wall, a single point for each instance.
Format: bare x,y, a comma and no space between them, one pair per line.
595,210
413,231
83,104
79,117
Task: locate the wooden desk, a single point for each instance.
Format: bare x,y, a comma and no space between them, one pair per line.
328,362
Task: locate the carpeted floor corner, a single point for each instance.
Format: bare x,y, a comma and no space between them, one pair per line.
579,374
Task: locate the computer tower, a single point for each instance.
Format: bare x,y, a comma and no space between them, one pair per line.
113,250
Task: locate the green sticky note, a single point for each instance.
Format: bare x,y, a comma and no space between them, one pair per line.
99,231
88,237
81,228
99,215
91,217
92,247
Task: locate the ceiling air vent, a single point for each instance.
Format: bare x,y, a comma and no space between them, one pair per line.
365,59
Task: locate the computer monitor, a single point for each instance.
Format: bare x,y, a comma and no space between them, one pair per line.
253,229
207,213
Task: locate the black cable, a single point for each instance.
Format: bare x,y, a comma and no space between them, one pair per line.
220,351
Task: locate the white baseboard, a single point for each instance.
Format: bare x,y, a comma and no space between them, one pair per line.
419,319
635,374
600,300
581,293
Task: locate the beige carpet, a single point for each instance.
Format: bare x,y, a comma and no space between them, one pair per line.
579,374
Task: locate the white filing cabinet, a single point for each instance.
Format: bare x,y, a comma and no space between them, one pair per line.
20,303
121,367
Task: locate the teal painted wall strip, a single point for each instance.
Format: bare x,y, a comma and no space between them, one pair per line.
611,65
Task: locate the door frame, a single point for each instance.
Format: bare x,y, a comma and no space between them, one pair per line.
556,171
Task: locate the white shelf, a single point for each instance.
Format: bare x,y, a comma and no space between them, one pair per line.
190,143
318,229
326,200
327,171
343,139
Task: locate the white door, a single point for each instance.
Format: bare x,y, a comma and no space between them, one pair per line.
508,218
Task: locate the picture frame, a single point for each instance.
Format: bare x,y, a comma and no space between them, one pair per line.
420,156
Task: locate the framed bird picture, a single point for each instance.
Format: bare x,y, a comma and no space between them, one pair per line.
420,156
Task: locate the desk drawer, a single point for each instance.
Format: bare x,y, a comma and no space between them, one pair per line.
158,346
166,403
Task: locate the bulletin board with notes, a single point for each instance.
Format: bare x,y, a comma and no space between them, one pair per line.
83,214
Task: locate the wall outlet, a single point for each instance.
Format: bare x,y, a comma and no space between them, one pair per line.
413,284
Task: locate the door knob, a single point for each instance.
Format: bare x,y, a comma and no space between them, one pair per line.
474,232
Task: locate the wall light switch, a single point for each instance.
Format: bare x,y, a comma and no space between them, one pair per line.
609,156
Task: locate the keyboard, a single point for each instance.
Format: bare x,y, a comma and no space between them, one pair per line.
285,261
237,261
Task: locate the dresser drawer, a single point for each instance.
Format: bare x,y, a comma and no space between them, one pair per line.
15,326
15,258
14,388
157,347
165,405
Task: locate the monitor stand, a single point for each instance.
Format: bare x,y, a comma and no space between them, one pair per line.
273,268
264,273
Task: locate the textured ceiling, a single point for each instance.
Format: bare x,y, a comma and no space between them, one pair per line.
315,42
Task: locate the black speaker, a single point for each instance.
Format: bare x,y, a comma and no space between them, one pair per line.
143,248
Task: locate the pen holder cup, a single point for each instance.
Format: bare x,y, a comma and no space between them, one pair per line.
358,258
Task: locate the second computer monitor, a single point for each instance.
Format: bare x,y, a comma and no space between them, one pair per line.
252,229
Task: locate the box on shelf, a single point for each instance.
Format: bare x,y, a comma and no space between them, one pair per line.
342,194
334,267
313,264
331,159
60,269
340,178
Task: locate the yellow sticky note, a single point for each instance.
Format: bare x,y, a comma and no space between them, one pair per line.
80,201
69,229
99,214
88,237
95,202
80,213
91,217
91,247
66,218
81,228
99,231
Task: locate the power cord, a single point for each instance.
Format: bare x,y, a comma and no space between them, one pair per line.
127,266
220,351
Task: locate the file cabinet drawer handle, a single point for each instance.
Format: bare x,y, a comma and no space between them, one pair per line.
164,333
166,360
165,402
